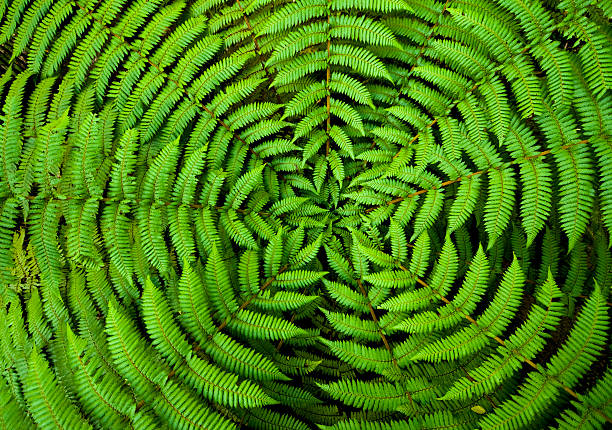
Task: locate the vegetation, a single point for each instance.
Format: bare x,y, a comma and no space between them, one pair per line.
301,214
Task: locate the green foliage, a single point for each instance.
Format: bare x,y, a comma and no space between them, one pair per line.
301,214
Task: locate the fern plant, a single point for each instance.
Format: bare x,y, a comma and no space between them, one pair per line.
300,214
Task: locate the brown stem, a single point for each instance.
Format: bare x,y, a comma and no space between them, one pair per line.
467,374
480,172
328,73
249,300
375,318
257,49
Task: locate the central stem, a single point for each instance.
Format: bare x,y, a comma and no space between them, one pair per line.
327,87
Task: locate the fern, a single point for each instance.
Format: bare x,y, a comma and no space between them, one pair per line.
331,214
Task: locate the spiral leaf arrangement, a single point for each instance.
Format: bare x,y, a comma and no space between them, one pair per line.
300,214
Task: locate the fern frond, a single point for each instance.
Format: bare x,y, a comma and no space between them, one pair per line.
46,400
369,396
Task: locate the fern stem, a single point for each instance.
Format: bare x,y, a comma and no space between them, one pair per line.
145,201
425,43
328,77
249,27
480,172
248,301
375,318
469,377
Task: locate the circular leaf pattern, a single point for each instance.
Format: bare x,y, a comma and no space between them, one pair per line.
299,214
